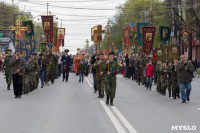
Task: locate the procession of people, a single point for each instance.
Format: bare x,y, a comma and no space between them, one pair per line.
173,77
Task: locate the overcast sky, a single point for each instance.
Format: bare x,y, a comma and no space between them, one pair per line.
78,22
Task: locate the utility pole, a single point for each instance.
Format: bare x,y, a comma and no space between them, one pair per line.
47,7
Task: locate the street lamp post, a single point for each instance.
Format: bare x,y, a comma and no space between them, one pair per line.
108,32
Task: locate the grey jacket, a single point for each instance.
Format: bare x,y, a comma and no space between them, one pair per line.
17,64
185,72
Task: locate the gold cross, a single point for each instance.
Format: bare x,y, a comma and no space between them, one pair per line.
87,42
99,31
17,27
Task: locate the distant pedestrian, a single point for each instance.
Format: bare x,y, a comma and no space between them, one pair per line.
185,74
81,70
149,75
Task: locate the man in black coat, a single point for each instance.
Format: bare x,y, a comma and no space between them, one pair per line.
66,65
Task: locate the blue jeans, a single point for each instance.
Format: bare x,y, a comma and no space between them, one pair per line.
94,81
81,77
185,89
42,74
149,81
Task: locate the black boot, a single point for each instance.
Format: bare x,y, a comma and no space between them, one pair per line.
111,102
107,100
99,95
169,94
102,95
8,87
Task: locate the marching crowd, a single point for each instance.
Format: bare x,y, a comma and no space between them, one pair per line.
175,76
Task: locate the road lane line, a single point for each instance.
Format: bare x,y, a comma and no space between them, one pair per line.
114,120
89,82
90,78
124,120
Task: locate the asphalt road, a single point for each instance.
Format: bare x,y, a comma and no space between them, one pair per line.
73,108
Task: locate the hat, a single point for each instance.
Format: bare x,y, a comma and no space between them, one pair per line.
66,50
101,54
34,54
9,49
111,53
41,54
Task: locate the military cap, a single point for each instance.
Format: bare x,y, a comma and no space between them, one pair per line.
66,50
101,54
9,49
111,53
34,54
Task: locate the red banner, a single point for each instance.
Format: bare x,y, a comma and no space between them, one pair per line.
47,22
61,36
21,33
148,38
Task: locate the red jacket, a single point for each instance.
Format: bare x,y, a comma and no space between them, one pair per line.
149,70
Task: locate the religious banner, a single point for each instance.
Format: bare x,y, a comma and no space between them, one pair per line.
148,38
94,35
55,28
43,47
47,22
61,36
165,33
127,36
30,31
139,32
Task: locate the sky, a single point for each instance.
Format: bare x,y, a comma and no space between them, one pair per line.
78,16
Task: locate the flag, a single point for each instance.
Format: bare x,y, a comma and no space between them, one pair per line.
61,36
30,31
148,38
47,22
165,33
139,32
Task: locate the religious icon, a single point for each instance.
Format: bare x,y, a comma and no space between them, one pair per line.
148,36
28,47
185,35
61,33
174,50
46,25
33,46
28,29
166,51
164,33
159,52
24,53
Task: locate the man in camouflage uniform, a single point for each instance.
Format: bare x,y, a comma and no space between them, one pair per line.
144,61
52,66
47,71
163,76
174,80
169,83
139,69
6,67
111,69
158,80
99,66
34,72
27,76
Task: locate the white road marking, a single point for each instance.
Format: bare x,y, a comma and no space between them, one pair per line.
89,82
114,120
124,120
90,79
198,108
